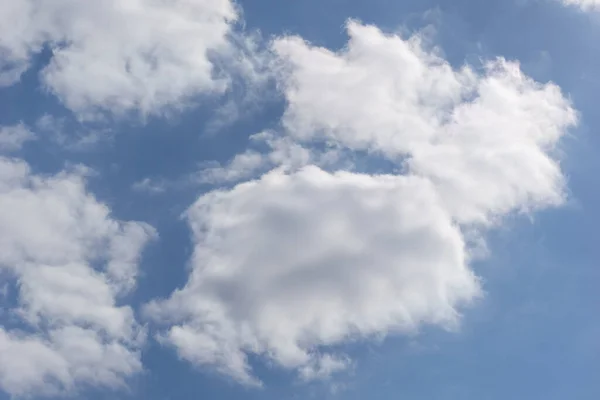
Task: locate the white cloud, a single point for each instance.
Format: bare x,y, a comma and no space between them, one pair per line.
117,55
13,137
281,152
79,138
485,138
584,4
286,153
290,262
149,186
72,262
242,166
301,259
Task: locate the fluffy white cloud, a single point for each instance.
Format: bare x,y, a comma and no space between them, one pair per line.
72,262
302,259
117,55
293,261
485,138
13,137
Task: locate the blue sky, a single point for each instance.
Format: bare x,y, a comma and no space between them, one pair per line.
262,200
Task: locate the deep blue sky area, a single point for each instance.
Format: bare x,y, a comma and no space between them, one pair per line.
533,335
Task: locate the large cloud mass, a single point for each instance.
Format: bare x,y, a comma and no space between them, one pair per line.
293,261
302,258
71,263
117,55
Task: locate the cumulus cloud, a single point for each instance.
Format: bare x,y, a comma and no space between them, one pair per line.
485,138
117,56
13,137
72,263
307,257
292,261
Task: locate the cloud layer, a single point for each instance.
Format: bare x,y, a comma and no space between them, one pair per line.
307,257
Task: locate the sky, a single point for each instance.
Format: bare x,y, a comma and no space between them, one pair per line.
333,199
